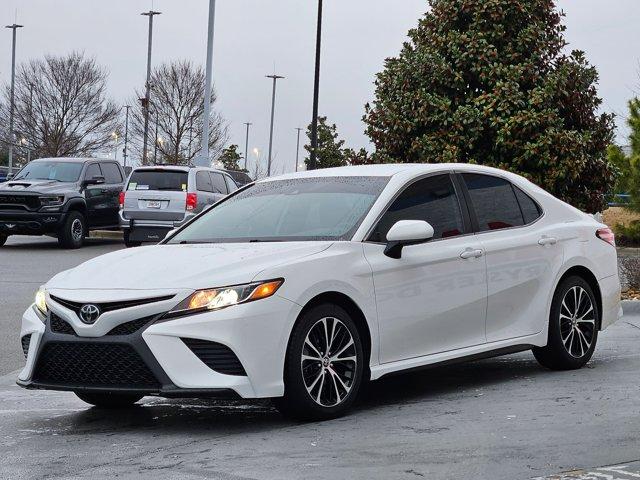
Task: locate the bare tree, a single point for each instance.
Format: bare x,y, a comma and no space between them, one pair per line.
61,107
176,109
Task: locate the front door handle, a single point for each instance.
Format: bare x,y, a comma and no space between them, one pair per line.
544,241
471,253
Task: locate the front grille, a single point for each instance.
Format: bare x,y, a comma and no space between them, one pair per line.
21,202
26,341
58,325
216,356
130,327
110,306
99,365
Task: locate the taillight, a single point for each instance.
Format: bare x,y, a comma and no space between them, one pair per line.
192,201
607,235
121,199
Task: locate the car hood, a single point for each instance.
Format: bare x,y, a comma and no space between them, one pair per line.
36,186
176,267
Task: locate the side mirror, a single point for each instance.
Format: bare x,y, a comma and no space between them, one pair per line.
97,180
406,233
10,176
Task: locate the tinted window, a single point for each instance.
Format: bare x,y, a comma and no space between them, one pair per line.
219,186
230,184
44,170
203,182
111,173
93,170
433,200
169,180
306,209
494,202
529,208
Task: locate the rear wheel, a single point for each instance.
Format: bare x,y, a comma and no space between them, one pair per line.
573,327
108,400
324,365
127,242
72,233
3,239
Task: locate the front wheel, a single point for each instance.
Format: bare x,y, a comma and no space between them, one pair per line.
324,365
108,400
573,327
72,233
3,239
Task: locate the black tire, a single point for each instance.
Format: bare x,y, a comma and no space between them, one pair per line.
109,400
335,400
73,232
572,337
128,243
3,239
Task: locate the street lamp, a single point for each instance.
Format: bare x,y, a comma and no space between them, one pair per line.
316,93
12,101
298,148
275,79
115,137
147,96
246,146
203,161
125,153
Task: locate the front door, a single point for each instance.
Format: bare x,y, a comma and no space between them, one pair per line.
97,198
434,298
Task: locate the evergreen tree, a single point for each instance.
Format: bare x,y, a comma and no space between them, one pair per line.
487,82
330,148
628,163
230,158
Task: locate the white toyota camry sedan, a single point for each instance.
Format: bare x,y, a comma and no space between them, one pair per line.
300,288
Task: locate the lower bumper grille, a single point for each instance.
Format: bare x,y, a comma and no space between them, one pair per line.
26,341
94,365
216,356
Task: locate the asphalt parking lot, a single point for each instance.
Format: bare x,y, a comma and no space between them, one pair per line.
504,418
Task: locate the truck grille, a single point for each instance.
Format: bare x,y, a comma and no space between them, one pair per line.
18,202
98,365
216,356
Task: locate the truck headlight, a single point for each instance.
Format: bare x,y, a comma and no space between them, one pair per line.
217,298
53,202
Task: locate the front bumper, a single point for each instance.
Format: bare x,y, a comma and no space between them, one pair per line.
257,333
15,222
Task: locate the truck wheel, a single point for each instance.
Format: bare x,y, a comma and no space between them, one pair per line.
128,243
3,239
72,233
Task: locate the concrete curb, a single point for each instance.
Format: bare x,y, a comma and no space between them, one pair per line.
631,307
106,234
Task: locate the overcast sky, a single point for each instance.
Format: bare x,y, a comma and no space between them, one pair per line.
257,37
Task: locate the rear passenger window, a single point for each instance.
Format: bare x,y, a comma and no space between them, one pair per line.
231,185
494,202
203,182
217,179
433,200
93,170
530,209
111,173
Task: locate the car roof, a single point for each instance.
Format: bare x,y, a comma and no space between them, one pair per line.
390,170
74,160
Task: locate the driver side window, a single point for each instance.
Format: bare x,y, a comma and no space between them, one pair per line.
93,170
433,200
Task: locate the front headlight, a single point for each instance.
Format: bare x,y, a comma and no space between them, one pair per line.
217,298
52,202
41,301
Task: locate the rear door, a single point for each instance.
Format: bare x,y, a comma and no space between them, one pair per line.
156,194
96,198
521,256
220,189
112,187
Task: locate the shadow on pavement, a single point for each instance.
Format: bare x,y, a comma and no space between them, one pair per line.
47,243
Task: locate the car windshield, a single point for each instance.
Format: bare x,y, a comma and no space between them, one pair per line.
57,171
288,210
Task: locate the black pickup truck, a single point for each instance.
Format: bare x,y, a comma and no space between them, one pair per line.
61,197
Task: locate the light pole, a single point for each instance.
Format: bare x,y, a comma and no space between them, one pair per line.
147,97
12,101
298,148
125,153
256,152
203,161
155,144
246,146
273,112
316,93
115,150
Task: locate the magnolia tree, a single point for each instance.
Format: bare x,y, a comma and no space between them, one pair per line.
489,82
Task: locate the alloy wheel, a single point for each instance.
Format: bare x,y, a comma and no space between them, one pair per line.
577,322
329,361
77,229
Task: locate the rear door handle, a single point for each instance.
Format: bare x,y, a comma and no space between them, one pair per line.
544,241
471,253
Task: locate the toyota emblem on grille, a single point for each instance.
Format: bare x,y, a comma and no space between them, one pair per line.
89,314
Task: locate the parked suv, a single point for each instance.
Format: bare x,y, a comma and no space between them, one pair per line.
62,197
159,199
